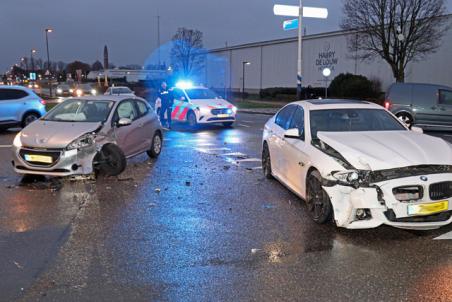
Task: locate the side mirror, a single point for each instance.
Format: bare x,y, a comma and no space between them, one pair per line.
292,133
417,130
124,122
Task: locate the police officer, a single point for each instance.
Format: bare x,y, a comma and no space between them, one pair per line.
166,97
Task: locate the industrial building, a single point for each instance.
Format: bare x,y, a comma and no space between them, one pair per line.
273,64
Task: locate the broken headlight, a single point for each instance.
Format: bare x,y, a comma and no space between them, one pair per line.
83,141
352,178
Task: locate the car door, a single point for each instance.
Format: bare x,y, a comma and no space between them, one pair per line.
145,124
295,157
445,107
12,103
180,106
276,139
128,137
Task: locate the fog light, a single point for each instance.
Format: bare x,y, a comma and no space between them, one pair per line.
362,214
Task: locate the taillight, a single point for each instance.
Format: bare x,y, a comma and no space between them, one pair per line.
387,104
42,102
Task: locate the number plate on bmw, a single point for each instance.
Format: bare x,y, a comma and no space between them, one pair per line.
38,158
428,208
222,115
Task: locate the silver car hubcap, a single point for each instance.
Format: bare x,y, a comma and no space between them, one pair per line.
157,144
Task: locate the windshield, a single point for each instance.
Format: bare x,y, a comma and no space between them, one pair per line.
347,120
201,94
80,111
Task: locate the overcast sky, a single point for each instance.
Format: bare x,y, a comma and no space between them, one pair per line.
129,27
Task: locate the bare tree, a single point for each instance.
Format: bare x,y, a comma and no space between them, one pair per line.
399,31
187,54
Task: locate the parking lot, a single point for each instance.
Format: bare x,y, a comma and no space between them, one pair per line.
201,221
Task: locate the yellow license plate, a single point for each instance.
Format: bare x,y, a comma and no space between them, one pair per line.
428,208
38,158
222,115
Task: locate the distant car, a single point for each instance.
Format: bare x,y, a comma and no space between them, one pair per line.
424,105
84,90
35,87
199,105
357,164
64,90
119,90
19,106
89,134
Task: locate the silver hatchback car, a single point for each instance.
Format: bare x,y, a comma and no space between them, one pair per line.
89,134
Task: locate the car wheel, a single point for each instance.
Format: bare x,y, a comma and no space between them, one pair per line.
191,118
405,118
317,200
29,118
228,124
110,161
156,147
266,162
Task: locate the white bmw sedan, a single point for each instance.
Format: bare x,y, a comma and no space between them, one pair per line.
355,163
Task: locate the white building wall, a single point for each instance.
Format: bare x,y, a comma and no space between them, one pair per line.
273,64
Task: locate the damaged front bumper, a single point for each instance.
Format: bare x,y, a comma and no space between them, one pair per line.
63,162
369,206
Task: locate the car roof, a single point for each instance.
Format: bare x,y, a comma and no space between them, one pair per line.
108,97
15,87
321,104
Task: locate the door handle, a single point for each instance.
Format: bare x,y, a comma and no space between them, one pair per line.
433,108
301,164
442,109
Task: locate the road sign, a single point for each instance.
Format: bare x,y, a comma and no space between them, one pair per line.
32,76
290,24
47,72
294,11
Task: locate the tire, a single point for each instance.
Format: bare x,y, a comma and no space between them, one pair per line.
266,162
228,124
191,119
156,146
405,118
318,202
111,161
29,118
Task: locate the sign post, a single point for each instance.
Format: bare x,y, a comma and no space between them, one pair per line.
300,12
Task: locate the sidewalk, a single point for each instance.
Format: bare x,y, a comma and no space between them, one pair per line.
265,107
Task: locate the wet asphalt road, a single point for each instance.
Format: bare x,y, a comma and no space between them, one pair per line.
200,224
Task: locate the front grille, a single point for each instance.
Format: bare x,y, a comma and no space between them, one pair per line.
441,190
440,217
220,111
219,119
55,154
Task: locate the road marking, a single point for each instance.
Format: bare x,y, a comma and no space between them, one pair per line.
243,125
248,160
236,154
6,146
247,121
212,150
447,236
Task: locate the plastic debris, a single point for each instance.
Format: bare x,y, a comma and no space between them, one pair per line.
255,251
157,190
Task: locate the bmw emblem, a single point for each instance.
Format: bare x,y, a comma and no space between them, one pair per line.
424,178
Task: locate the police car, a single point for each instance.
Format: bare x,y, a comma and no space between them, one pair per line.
199,105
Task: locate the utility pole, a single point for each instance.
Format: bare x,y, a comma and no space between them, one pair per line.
158,39
48,30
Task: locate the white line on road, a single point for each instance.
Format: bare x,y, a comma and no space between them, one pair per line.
5,146
243,125
247,121
236,154
248,160
447,236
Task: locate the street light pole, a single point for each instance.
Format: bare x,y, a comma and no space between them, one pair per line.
243,78
300,47
48,30
32,61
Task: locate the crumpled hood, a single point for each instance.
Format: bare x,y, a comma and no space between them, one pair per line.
214,103
46,134
388,149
